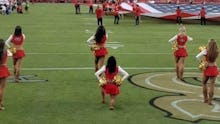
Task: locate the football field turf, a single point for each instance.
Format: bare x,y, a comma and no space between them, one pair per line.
68,92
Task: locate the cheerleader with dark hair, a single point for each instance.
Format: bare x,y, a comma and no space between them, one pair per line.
97,43
111,80
4,72
210,71
16,41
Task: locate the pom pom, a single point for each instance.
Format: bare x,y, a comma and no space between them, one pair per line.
174,46
201,48
12,50
94,47
102,81
117,80
202,65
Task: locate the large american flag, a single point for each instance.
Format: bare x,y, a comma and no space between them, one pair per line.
168,11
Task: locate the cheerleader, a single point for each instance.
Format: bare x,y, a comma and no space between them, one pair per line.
111,86
97,43
180,52
211,70
15,42
4,72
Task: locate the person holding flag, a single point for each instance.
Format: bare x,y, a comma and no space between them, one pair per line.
137,14
202,16
116,14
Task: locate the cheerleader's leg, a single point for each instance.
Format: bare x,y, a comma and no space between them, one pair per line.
211,89
112,102
177,66
18,69
2,90
205,88
101,61
181,67
96,63
103,95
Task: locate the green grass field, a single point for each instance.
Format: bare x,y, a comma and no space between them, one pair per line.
56,50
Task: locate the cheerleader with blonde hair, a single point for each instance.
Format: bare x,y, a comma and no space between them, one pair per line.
210,71
180,52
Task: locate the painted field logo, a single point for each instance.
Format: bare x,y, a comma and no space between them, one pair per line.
185,101
27,78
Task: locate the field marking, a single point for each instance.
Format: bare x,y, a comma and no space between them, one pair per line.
114,42
216,107
174,104
175,80
93,32
114,45
89,32
88,18
92,68
27,78
148,81
66,53
121,53
57,53
109,32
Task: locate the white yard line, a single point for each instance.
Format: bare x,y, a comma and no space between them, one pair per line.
65,53
119,53
92,68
